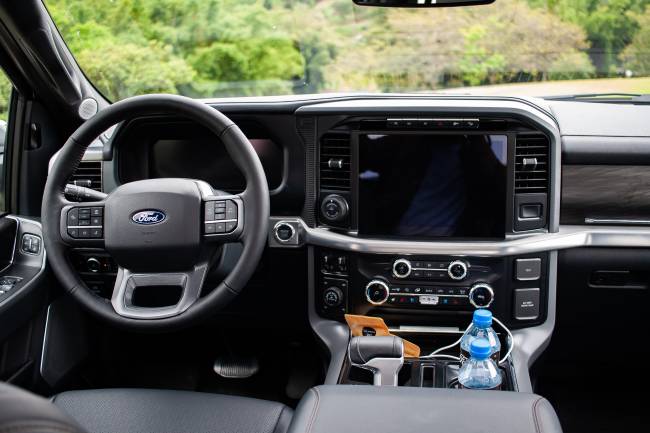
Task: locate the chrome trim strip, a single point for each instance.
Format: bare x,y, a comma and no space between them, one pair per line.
569,236
85,227
616,221
222,221
416,329
46,334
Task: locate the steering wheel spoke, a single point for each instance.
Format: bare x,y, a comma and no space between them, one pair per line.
223,218
156,295
82,224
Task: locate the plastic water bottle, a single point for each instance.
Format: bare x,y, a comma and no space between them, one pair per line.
481,327
479,371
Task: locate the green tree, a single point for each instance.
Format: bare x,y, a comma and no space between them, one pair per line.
636,56
5,94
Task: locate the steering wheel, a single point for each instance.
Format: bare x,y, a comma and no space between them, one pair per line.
162,233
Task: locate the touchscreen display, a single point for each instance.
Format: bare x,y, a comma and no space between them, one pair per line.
430,186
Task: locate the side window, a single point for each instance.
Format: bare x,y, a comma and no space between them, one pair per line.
5,94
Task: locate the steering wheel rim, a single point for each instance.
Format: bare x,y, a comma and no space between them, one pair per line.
255,200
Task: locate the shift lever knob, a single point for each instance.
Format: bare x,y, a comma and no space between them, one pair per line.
383,355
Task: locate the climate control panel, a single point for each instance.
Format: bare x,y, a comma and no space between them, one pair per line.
418,288
379,292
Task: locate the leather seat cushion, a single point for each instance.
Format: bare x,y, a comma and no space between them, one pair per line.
162,411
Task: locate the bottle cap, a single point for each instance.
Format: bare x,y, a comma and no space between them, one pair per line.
482,318
480,348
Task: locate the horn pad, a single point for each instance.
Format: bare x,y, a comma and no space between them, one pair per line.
154,225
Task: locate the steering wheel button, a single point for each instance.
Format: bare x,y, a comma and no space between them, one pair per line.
73,233
73,217
210,228
231,210
230,226
220,205
96,233
220,227
84,233
96,211
84,213
96,221
84,222
219,216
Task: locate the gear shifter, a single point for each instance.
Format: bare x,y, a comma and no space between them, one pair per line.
383,355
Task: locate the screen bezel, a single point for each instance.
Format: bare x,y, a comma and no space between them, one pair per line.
508,210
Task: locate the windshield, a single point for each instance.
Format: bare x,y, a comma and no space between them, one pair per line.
212,48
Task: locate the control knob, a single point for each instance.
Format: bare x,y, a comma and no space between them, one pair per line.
377,292
402,268
334,208
93,265
457,270
333,296
481,295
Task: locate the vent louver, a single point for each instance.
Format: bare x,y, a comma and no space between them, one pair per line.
335,162
88,174
531,163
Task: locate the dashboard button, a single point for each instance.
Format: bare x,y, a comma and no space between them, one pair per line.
333,296
284,232
526,304
528,269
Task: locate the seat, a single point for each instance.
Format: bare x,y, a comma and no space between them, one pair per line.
165,411
138,411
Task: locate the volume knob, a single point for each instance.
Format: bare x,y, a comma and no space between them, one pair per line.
334,208
481,295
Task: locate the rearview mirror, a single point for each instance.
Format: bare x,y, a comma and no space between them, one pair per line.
421,3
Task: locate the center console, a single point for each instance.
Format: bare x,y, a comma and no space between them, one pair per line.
456,180
351,409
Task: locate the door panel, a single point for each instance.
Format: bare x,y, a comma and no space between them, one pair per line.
23,298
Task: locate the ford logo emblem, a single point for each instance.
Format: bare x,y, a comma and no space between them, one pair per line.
148,217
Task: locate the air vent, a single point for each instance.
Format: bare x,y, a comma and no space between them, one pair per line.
88,174
335,162
531,163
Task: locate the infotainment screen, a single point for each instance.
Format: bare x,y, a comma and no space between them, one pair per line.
432,186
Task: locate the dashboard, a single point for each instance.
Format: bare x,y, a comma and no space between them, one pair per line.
418,209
